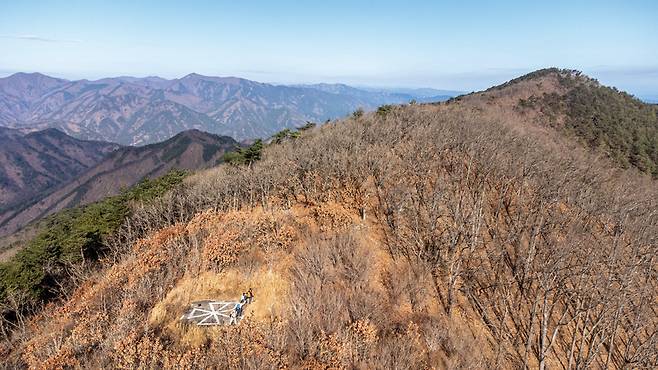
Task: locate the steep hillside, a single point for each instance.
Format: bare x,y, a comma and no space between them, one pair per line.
416,237
138,111
605,119
189,150
67,245
36,163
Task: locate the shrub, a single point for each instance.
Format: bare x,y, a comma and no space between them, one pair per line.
284,135
384,110
245,156
309,125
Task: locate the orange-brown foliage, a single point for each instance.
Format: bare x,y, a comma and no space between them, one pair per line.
428,238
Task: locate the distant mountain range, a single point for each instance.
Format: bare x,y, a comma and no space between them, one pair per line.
90,171
139,111
386,95
425,93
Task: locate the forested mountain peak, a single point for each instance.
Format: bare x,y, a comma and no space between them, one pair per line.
602,118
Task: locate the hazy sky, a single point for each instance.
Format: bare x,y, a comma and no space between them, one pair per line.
463,45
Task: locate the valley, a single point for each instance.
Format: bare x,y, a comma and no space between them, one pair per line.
117,170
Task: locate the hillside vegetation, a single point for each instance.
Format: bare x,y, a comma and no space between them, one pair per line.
603,118
58,256
415,237
621,125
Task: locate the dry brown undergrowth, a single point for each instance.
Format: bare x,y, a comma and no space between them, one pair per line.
481,247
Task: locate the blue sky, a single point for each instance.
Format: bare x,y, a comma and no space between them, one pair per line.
463,45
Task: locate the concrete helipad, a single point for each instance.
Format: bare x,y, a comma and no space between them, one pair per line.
209,312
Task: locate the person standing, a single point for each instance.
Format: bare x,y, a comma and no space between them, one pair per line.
233,317
238,310
250,295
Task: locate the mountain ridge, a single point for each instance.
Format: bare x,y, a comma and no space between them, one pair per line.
602,118
469,234
36,162
122,168
136,111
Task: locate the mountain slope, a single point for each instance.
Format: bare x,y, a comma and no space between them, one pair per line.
453,236
189,150
20,91
35,163
137,111
604,119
